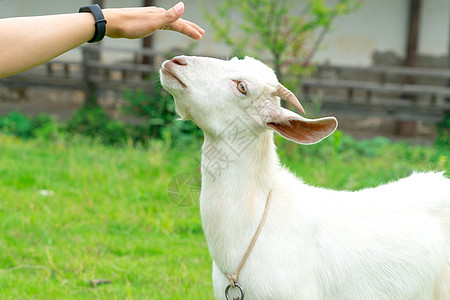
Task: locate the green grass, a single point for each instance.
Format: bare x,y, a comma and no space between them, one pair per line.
109,218
108,215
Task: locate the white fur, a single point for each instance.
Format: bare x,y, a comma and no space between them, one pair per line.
389,242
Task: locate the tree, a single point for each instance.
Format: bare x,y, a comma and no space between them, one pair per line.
276,28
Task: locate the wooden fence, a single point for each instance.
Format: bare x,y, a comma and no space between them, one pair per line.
400,93
91,74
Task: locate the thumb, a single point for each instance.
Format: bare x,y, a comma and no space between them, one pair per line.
174,13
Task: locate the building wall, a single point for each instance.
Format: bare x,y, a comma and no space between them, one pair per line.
382,26
378,26
207,45
434,31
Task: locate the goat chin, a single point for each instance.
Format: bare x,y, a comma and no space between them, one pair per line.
387,242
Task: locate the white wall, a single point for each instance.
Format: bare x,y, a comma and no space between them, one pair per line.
20,8
379,25
206,46
382,25
434,32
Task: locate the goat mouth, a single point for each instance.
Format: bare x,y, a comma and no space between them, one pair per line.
172,75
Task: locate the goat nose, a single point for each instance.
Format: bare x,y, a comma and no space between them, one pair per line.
179,60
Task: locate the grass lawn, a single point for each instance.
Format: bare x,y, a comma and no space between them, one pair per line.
71,212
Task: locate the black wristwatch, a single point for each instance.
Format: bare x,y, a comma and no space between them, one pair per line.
100,21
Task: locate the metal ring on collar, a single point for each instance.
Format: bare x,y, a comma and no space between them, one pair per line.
236,285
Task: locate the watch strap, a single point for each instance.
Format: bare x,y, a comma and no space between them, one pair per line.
100,21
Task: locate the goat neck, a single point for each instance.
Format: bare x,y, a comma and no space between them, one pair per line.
237,175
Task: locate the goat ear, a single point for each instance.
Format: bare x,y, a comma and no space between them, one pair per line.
299,129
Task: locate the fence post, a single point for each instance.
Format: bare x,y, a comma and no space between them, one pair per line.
409,128
90,90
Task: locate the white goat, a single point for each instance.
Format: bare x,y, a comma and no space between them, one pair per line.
389,242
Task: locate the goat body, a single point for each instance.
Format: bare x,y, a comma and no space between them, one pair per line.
388,242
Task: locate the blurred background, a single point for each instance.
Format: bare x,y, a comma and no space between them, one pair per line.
380,66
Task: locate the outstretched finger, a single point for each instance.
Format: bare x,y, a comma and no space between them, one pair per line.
195,26
187,28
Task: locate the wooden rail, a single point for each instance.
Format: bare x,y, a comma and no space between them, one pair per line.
401,93
90,75
381,91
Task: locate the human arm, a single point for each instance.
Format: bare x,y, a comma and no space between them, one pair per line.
30,41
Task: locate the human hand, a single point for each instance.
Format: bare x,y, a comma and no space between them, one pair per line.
140,22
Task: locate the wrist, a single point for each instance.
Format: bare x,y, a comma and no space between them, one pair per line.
113,17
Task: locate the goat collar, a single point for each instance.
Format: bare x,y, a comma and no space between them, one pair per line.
234,277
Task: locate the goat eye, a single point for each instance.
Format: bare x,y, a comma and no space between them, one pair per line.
242,87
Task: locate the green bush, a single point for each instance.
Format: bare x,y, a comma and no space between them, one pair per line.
182,134
41,126
17,124
95,123
45,127
156,109
443,137
160,120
